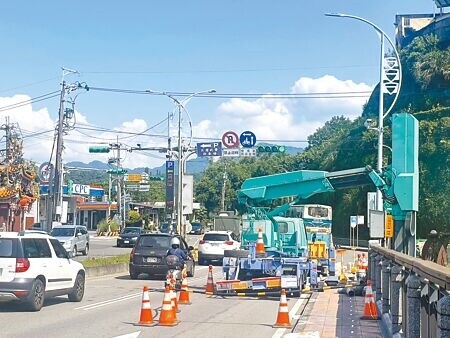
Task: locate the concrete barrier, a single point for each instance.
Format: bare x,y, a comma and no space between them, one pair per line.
106,270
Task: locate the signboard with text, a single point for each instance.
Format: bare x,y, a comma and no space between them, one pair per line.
170,186
209,149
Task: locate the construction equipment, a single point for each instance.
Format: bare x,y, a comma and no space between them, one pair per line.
227,221
286,263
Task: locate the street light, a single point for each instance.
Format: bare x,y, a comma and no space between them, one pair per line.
181,105
390,82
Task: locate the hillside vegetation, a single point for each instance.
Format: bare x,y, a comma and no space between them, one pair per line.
344,144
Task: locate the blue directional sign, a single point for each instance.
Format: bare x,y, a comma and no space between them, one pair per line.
247,139
209,149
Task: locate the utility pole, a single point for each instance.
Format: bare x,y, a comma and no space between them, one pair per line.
58,182
224,185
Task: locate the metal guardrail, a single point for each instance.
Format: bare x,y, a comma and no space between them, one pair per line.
412,295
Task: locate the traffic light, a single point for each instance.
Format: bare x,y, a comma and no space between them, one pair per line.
99,149
117,171
269,149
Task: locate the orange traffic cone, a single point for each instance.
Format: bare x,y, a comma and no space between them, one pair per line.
210,282
370,308
167,318
184,293
283,312
173,299
260,243
146,318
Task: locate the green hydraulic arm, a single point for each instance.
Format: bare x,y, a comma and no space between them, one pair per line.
398,183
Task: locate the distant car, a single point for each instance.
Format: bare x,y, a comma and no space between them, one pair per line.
213,244
149,255
165,228
34,266
74,238
129,236
197,228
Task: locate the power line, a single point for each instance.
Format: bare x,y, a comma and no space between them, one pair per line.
237,70
32,100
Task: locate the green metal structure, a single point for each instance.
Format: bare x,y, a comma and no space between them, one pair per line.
399,184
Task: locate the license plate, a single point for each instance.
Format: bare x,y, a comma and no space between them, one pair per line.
126,241
152,259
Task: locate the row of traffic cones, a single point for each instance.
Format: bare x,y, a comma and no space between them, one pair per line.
169,309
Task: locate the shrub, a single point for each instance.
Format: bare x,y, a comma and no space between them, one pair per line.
105,226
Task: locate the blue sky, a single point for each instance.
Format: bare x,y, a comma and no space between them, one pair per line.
235,47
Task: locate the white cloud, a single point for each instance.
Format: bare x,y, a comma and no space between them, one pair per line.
294,119
269,118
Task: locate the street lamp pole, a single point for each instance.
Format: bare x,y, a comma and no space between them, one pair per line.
181,105
394,88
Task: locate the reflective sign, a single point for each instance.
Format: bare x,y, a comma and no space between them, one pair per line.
209,149
247,139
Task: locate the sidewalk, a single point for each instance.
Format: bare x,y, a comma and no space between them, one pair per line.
329,315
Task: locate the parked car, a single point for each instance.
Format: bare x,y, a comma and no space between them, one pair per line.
129,236
74,238
149,255
197,228
213,244
34,266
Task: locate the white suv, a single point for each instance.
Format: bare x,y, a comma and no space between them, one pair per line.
213,244
33,266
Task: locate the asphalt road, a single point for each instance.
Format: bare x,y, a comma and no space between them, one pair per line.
111,308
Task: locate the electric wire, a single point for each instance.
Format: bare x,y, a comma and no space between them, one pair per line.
32,100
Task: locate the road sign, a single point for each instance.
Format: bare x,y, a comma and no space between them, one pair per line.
46,171
209,149
133,178
247,139
389,226
231,152
353,221
230,139
247,152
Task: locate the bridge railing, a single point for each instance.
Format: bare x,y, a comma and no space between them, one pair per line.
412,295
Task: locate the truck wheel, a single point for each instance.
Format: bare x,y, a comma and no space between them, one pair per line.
236,253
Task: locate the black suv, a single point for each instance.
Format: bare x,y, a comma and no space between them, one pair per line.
149,255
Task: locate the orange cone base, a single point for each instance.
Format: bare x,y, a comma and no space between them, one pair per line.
283,320
370,312
171,324
146,324
184,302
286,326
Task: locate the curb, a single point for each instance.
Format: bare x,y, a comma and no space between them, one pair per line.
106,270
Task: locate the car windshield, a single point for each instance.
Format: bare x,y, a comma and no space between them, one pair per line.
131,231
216,237
154,241
62,232
196,226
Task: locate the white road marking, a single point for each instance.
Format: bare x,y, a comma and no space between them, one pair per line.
279,333
108,302
130,335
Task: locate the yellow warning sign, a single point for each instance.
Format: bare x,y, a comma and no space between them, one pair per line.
134,177
389,227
